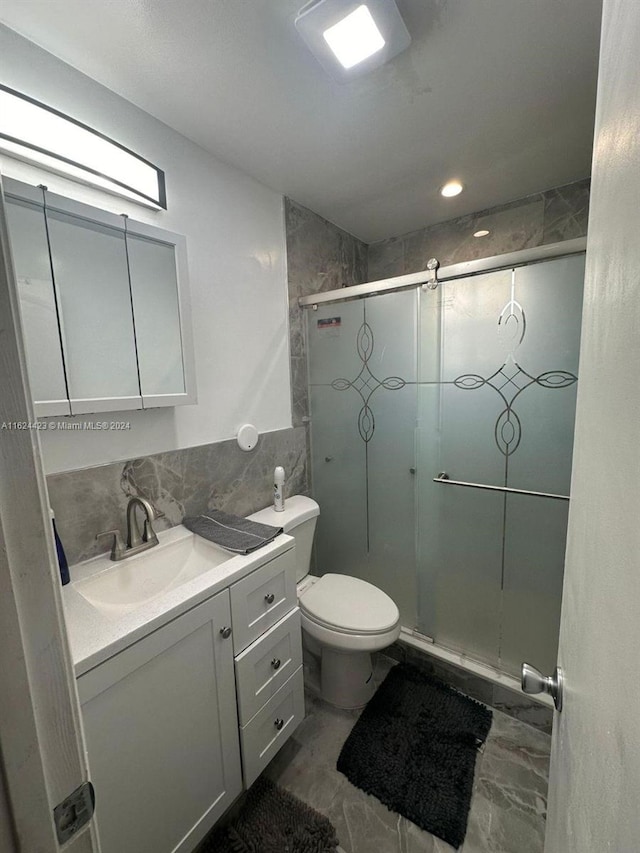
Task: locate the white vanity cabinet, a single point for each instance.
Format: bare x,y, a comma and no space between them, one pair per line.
162,734
180,720
268,645
104,306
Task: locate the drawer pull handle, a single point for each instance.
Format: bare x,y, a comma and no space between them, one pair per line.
279,724
225,633
269,598
275,663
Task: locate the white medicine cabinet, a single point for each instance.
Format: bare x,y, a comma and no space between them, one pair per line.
104,306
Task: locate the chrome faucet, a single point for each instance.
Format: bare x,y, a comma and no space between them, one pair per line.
136,542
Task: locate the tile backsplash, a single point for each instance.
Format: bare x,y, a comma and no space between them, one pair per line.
178,483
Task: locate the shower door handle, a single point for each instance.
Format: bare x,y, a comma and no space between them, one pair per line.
533,681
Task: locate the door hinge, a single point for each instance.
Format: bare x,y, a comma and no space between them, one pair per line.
74,812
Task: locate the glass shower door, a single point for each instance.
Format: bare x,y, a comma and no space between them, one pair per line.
460,530
497,382
475,380
536,528
337,453
362,383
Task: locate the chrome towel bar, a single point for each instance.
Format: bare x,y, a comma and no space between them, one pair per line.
443,478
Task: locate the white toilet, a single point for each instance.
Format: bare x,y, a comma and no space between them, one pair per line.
344,619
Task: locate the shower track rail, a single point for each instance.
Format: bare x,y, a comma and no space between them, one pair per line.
478,266
444,480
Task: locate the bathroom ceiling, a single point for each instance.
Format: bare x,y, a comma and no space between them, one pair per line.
499,94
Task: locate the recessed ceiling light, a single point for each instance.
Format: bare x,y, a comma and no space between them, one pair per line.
481,233
354,38
350,38
451,189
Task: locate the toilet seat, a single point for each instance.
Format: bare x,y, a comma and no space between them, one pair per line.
348,605
344,643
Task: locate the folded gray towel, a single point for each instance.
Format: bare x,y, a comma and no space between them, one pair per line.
232,532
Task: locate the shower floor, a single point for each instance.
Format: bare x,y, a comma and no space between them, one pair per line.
508,807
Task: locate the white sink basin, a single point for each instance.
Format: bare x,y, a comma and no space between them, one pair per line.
118,587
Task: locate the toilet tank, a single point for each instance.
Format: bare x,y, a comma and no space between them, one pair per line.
297,520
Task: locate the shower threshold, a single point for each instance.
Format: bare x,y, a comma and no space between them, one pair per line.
424,644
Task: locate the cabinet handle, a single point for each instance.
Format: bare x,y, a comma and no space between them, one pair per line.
275,663
225,633
269,598
279,724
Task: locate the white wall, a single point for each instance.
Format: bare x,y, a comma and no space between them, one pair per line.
236,247
594,795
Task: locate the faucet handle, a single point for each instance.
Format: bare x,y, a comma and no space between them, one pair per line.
117,548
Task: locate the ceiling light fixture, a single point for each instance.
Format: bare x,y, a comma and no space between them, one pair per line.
350,38
354,38
38,134
481,233
451,189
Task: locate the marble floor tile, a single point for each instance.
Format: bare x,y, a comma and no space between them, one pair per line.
508,808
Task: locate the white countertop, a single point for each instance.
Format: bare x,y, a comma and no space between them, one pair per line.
95,634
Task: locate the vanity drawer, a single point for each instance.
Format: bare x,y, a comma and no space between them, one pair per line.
263,736
260,599
267,664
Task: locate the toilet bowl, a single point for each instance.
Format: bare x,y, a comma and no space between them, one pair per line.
344,619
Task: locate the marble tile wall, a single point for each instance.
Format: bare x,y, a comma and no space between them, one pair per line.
320,257
178,483
546,217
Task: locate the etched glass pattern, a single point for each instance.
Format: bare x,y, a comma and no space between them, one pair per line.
478,379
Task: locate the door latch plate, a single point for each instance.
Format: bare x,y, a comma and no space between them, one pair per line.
74,812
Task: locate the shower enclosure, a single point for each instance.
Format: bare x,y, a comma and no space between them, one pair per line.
442,432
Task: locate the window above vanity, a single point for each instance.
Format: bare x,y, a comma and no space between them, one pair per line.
104,306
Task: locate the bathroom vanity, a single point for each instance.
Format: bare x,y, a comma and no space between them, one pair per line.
189,670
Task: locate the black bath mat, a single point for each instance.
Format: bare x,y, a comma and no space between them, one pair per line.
272,820
415,747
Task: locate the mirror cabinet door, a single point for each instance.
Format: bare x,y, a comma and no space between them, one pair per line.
30,251
154,292
104,306
90,270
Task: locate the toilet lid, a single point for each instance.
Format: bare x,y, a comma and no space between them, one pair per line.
349,604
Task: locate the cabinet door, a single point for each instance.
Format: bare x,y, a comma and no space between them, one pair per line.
154,292
104,304
161,729
30,251
92,280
